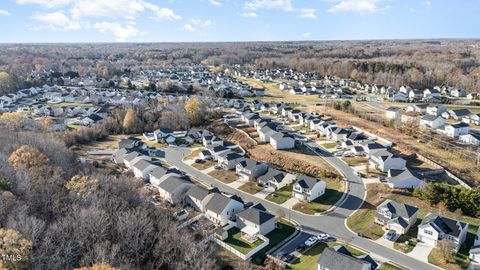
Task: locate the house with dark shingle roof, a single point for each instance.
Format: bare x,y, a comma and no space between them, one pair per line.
308,188
197,197
250,169
435,228
275,179
404,178
333,260
254,221
396,216
384,161
142,169
229,160
281,140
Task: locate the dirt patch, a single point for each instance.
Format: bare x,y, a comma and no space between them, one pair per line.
232,135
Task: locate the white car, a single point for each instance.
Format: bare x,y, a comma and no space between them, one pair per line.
323,237
311,241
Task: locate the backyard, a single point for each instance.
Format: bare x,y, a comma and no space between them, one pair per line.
284,230
235,240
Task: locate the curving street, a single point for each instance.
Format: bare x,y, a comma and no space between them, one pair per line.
333,222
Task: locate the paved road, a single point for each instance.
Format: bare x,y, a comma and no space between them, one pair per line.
332,223
295,242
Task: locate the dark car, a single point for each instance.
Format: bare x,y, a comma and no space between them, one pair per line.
301,248
248,204
289,258
199,160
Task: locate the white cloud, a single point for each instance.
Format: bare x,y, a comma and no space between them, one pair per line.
308,13
55,21
45,3
193,24
215,2
285,5
189,28
307,34
120,32
356,6
4,13
428,4
250,14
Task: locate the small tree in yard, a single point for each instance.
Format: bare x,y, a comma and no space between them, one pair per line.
447,249
129,121
28,157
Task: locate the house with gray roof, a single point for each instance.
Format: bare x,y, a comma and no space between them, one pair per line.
250,169
229,160
396,216
384,161
197,197
308,188
221,209
282,140
254,221
404,178
333,260
435,228
475,250
118,155
174,187
142,169
275,179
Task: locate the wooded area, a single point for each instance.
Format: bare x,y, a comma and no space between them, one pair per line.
418,63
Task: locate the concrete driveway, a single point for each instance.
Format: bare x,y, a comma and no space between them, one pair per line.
420,252
290,203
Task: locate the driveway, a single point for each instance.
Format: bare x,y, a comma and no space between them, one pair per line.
290,203
385,242
237,183
420,252
262,194
292,244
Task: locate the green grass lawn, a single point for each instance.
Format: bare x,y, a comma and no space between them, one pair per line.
282,195
284,230
251,187
355,161
235,240
333,193
410,237
308,261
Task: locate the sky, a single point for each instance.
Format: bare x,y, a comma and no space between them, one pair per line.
50,21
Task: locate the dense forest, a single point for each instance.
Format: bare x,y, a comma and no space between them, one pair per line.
419,63
58,214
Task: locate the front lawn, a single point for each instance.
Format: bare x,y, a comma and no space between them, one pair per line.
333,193
387,266
224,176
330,145
251,187
410,237
203,165
235,240
193,154
355,161
437,258
281,195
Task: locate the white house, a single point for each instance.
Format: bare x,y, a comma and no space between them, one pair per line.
142,168
404,178
435,228
282,140
229,160
436,110
472,138
384,161
255,221
455,130
308,188
250,169
220,209
393,113
275,179
265,133
432,121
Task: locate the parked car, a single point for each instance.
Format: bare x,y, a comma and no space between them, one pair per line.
311,241
382,178
338,154
323,237
338,147
390,235
347,154
289,258
301,248
218,167
359,174
198,160
248,204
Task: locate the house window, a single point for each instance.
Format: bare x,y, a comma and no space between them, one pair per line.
428,232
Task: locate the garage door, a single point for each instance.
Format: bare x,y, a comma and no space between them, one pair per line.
428,241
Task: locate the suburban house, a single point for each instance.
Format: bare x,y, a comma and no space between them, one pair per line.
396,216
471,138
475,250
455,130
155,175
142,168
275,179
217,150
384,161
330,259
229,160
197,197
404,178
265,133
174,187
370,147
432,121
308,188
118,155
255,221
250,169
282,140
205,154
435,228
456,114
339,134
220,208
436,110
